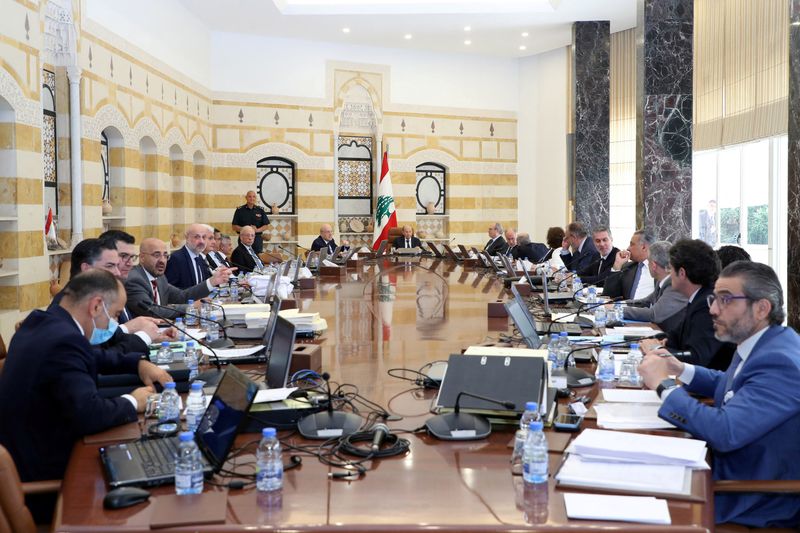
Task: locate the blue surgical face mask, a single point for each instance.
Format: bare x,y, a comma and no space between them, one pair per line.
99,336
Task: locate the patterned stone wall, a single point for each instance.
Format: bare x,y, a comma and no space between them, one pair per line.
793,230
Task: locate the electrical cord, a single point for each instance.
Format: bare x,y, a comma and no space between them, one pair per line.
395,445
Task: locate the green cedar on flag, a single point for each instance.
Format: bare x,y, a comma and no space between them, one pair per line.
385,216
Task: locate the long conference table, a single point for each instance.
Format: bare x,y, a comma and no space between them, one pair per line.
395,314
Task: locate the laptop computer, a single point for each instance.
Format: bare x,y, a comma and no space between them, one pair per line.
481,257
152,462
451,254
464,251
280,354
547,327
434,249
510,274
382,248
341,258
523,321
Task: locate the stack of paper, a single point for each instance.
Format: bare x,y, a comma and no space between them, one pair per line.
305,322
621,446
233,353
633,331
619,508
630,416
237,312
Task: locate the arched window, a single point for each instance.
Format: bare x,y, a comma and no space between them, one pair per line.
106,166
49,141
431,189
276,183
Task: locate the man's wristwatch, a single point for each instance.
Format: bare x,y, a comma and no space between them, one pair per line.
665,385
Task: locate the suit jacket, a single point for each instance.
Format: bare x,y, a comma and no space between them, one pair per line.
181,269
596,272
580,260
242,259
533,251
319,244
498,246
620,283
216,260
140,294
696,335
754,435
400,242
48,394
664,307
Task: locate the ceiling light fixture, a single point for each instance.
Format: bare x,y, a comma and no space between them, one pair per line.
467,42
467,28
523,47
524,34
408,36
345,30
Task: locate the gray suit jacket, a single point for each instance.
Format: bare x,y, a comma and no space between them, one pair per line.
140,294
664,306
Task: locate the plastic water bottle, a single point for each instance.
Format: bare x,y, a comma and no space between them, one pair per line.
534,465
592,298
190,359
164,354
619,312
212,326
600,316
180,326
234,289
188,466
191,314
605,365
629,372
269,462
170,409
552,348
564,348
195,407
205,311
577,284
531,414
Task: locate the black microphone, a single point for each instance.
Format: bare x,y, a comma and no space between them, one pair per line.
504,403
287,251
328,424
225,322
327,377
225,342
381,431
658,336
581,308
243,268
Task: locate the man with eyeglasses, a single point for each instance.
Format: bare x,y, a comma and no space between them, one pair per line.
695,268
754,422
148,288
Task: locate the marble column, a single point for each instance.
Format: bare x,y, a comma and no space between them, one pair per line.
793,231
76,160
591,95
664,117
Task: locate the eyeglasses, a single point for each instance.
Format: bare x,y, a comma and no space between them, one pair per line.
158,255
724,299
129,258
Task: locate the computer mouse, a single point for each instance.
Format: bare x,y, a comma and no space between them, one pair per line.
125,497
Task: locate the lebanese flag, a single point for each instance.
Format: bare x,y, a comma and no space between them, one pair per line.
49,227
385,216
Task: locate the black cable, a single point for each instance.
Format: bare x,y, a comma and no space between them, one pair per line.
396,445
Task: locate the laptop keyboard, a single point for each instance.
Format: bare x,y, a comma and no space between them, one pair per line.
157,456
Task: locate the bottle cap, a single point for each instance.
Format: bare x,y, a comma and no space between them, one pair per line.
186,436
563,334
268,432
536,425
634,346
169,385
190,344
531,406
189,302
165,344
197,386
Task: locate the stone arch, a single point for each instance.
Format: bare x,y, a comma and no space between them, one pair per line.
145,127
174,137
106,116
371,93
26,111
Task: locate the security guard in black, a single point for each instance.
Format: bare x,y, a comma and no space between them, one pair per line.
250,214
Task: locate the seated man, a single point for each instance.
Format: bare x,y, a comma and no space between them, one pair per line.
664,306
729,253
753,424
146,284
631,278
530,251
48,391
244,256
187,266
325,240
695,268
407,240
497,244
214,257
598,270
578,251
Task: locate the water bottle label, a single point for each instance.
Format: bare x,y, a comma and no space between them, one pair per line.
183,481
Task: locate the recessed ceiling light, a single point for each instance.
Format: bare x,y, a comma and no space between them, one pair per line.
345,30
523,47
467,28
408,36
524,34
467,42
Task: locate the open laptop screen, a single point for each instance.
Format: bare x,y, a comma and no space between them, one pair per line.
280,355
524,323
226,411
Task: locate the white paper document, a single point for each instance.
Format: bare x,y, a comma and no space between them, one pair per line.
650,449
631,330
234,353
644,509
630,396
629,477
273,395
630,416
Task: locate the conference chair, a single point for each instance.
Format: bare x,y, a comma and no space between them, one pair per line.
772,486
14,516
391,236
3,353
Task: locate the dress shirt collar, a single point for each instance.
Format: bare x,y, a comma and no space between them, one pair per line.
150,277
581,245
747,345
192,254
77,324
691,298
664,281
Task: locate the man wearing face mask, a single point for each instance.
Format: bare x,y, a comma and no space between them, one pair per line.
48,391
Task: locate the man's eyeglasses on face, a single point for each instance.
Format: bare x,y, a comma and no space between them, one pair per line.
724,299
129,258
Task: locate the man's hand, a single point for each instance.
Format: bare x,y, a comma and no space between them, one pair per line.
649,345
221,275
146,324
565,244
655,368
167,334
140,395
621,259
150,373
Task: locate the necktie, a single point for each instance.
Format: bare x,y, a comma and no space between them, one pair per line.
729,374
259,264
198,262
488,244
636,280
156,299
600,266
408,243
330,247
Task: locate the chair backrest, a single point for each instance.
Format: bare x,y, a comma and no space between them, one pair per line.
394,233
14,516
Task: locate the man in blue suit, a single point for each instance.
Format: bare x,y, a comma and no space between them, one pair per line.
754,422
187,266
581,252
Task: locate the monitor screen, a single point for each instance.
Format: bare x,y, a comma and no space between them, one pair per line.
524,323
280,355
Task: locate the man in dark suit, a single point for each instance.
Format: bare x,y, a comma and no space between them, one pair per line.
695,268
146,285
578,251
525,249
244,256
630,277
596,272
48,391
187,266
407,240
496,244
754,421
325,240
214,257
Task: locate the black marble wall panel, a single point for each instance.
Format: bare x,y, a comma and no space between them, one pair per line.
591,47
664,117
793,231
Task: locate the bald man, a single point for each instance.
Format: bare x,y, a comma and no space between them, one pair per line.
147,285
325,239
188,266
251,214
407,240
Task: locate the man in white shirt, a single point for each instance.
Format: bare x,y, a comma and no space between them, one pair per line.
630,276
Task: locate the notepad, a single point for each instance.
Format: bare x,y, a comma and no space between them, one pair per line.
630,416
638,447
630,396
671,480
644,509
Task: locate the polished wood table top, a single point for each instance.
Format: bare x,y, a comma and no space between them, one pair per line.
399,314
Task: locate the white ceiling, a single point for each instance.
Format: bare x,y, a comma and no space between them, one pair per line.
496,26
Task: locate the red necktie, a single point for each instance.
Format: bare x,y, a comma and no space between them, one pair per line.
156,299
